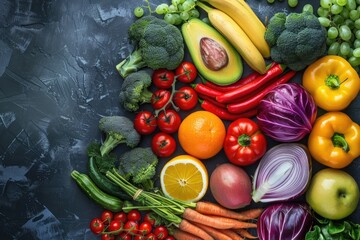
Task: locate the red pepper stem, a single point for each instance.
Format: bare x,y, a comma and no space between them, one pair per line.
339,140
244,140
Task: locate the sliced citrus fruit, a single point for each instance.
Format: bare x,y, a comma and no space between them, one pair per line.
184,178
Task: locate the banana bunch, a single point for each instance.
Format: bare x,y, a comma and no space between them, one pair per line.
237,22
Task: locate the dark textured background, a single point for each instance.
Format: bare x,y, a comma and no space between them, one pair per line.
57,78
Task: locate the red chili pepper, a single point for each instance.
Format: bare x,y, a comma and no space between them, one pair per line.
212,100
239,92
205,90
253,101
223,113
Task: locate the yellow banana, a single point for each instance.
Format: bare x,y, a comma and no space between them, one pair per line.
237,37
244,16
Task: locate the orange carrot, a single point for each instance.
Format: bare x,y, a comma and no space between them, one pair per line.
215,221
181,235
209,208
187,226
215,233
245,233
232,234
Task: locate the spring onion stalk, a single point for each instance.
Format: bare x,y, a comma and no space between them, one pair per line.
282,174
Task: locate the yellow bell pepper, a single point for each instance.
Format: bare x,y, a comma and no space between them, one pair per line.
334,140
332,82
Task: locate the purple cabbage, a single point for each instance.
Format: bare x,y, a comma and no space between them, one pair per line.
290,221
287,113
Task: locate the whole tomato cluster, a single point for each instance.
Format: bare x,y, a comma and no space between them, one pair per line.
128,226
166,101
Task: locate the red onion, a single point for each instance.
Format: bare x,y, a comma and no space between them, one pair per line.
282,174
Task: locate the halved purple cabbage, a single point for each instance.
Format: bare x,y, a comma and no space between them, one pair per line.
285,221
287,113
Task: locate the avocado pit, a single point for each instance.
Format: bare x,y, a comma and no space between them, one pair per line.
213,55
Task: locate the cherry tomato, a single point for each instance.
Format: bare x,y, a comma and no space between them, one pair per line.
134,215
140,237
124,236
163,78
107,237
106,216
161,232
163,144
186,72
151,236
145,228
169,121
186,98
160,98
131,226
149,217
114,225
97,225
145,123
120,216
169,238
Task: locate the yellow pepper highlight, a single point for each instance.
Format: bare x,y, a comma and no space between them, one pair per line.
332,81
334,140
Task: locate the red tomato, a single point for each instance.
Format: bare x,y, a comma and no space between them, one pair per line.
169,121
114,225
163,145
140,237
186,98
145,228
163,78
120,216
186,72
97,225
131,226
151,236
107,237
161,232
145,123
134,215
160,98
149,217
169,238
124,236
106,216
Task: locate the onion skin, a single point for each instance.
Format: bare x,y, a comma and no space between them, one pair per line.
290,221
230,185
287,113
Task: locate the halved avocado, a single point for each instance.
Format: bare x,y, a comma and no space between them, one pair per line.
214,57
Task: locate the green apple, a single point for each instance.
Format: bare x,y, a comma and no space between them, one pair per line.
333,193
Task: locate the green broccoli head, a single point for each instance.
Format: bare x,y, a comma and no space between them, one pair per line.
296,41
118,130
139,166
134,90
158,45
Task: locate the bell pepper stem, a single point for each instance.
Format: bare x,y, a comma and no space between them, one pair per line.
244,140
338,140
332,81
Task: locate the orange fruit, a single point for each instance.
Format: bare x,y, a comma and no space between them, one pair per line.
184,178
201,134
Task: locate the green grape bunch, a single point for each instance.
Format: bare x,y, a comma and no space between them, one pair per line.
341,18
175,13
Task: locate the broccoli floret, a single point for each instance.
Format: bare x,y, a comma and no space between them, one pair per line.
134,90
158,45
138,165
118,129
296,41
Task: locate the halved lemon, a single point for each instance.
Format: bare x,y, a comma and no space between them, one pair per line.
184,178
